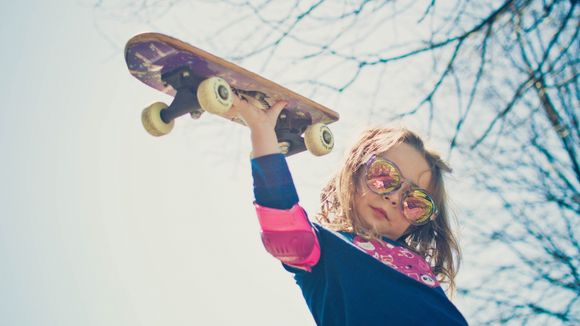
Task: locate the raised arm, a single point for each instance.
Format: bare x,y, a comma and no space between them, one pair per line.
286,232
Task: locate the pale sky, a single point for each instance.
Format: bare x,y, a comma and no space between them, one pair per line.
102,224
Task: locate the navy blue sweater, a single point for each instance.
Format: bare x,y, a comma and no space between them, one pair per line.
348,286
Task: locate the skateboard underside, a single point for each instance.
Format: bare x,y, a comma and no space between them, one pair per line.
156,59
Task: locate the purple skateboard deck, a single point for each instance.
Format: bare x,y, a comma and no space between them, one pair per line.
151,57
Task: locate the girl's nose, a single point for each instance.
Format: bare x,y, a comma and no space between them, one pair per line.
394,197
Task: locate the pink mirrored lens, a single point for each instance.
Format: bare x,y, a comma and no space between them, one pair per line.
418,206
383,177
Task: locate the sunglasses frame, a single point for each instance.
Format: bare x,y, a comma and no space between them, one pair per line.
403,180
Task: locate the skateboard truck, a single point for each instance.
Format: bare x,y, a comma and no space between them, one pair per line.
185,84
193,95
289,128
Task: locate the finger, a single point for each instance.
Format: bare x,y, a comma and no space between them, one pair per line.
237,101
277,108
241,107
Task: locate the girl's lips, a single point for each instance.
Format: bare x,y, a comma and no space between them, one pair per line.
380,212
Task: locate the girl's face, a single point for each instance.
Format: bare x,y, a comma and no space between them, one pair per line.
384,213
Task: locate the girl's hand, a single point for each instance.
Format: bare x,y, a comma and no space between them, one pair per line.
262,124
258,119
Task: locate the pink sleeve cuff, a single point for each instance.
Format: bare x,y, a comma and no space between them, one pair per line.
289,236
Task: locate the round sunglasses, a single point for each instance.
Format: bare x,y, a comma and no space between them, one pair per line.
383,177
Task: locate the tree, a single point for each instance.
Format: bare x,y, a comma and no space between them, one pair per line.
495,80
511,67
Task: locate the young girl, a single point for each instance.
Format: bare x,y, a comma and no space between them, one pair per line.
382,243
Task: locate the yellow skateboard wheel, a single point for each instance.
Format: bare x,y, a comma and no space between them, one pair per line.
318,139
151,119
215,95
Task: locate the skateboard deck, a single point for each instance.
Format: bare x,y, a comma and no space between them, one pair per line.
179,69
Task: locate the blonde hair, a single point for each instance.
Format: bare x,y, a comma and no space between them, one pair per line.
435,240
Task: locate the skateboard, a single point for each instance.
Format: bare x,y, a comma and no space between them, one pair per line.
202,82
